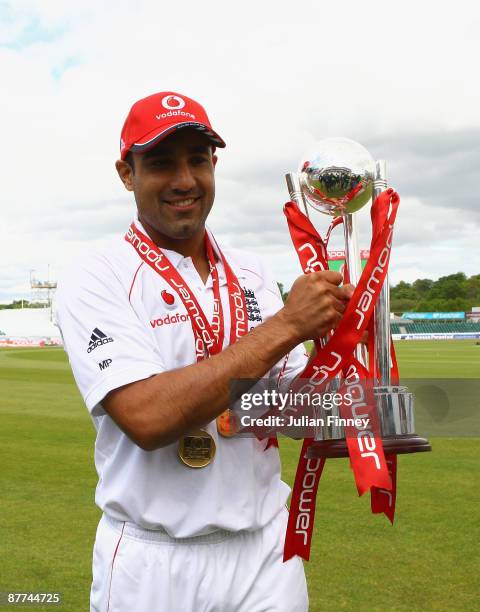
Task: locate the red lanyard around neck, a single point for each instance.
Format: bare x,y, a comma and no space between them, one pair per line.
209,337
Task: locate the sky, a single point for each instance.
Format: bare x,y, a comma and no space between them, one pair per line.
275,77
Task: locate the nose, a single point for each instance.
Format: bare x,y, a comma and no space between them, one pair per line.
183,179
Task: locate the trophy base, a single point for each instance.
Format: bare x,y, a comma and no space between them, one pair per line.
392,445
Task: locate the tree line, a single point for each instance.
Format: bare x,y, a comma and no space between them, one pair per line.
448,293
22,304
454,292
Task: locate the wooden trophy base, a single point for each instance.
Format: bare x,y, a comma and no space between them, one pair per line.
394,445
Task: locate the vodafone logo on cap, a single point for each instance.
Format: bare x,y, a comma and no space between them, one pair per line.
173,102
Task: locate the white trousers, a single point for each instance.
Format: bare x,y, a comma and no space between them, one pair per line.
135,570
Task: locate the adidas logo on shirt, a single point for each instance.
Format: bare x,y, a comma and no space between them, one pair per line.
97,339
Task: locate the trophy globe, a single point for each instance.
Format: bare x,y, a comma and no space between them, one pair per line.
336,176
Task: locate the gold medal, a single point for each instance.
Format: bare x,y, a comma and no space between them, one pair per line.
227,423
196,449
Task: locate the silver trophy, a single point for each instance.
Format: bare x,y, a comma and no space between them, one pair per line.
338,177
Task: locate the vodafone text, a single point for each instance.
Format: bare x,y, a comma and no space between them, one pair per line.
169,320
173,113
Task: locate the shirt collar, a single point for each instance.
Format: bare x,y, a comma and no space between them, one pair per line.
236,269
177,258
174,257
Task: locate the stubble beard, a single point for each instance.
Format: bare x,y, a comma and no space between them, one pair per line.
171,230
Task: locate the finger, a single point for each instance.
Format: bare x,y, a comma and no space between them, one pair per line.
337,319
339,305
336,292
335,278
348,290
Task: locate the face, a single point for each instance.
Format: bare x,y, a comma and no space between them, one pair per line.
174,186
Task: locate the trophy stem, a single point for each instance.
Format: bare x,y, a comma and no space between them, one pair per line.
295,191
382,308
354,265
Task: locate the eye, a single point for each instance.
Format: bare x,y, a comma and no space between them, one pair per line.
159,162
199,159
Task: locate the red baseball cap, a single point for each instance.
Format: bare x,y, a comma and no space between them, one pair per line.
155,117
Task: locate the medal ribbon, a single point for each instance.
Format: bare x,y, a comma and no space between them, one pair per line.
338,355
208,337
236,297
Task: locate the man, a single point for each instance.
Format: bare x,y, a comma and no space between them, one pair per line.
156,326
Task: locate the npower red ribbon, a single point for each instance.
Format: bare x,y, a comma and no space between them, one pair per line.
372,470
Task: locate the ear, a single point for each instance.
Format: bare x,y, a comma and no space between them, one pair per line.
214,160
125,173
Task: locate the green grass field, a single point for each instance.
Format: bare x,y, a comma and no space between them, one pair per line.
427,561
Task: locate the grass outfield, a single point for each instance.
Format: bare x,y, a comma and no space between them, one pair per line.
359,562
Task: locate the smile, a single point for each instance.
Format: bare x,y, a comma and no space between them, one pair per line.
187,203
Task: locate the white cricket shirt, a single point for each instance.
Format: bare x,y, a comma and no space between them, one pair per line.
121,323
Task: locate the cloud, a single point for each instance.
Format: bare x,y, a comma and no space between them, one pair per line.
438,167
275,78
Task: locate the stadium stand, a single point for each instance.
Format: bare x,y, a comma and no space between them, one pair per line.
435,327
27,326
33,326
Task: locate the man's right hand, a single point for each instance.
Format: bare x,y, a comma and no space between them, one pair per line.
315,304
